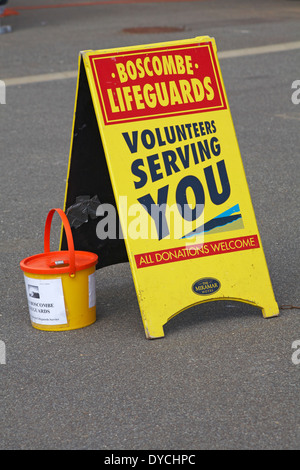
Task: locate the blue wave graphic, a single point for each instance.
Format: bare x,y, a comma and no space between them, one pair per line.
226,217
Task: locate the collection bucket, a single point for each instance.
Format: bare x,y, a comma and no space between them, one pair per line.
60,285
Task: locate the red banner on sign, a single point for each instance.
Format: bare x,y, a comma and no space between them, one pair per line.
157,82
182,253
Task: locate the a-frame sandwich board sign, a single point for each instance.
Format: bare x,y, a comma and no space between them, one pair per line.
153,138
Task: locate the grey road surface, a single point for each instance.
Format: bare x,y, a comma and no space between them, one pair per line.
223,377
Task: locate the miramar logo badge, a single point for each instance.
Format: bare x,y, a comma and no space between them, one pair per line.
206,286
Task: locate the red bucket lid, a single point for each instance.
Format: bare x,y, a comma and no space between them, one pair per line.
58,262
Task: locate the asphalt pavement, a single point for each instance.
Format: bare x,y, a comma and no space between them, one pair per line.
223,377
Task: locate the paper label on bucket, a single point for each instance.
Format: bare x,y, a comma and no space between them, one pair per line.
46,301
92,290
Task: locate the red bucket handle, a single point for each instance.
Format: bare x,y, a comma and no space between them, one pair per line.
68,232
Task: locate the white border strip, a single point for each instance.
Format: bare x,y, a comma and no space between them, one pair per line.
286,46
46,77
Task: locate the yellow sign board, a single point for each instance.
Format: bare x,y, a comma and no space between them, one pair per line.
161,148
